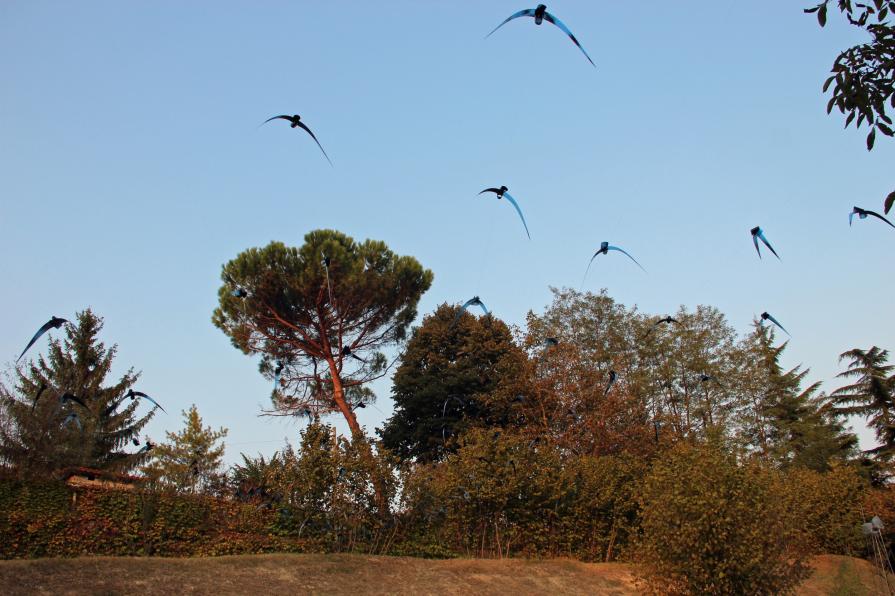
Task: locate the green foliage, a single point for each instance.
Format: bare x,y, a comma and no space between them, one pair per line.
40,439
301,308
191,461
872,395
455,373
863,77
713,526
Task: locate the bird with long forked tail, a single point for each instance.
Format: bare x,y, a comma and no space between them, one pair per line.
540,14
501,194
863,213
54,323
604,249
474,301
767,317
295,122
758,234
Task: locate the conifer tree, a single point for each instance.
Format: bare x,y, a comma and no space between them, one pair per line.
798,429
190,461
872,395
48,431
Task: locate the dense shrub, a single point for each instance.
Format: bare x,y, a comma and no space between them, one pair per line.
712,525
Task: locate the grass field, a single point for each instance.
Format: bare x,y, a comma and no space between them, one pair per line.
358,574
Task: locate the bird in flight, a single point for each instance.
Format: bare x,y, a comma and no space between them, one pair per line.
501,193
135,394
474,301
146,448
604,249
53,323
666,320
550,342
68,397
766,317
758,234
613,376
863,213
540,15
347,353
295,121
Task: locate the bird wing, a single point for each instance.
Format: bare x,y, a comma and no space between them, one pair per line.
144,396
462,310
513,202
74,398
308,130
768,244
528,12
878,216
609,385
46,327
591,262
74,417
552,19
482,305
851,216
494,190
755,242
777,323
281,117
627,255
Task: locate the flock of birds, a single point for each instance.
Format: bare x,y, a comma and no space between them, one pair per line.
540,15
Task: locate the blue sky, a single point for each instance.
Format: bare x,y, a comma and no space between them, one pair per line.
132,167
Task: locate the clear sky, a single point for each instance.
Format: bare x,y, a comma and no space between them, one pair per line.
132,167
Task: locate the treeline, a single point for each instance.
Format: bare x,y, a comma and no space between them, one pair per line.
598,432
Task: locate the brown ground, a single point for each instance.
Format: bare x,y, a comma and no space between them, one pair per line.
358,574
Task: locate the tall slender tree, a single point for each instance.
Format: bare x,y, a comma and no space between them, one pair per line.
319,316
872,395
62,414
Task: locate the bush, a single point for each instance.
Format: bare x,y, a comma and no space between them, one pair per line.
714,526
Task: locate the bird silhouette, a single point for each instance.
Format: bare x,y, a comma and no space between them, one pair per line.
540,15
40,390
613,376
135,394
54,323
474,301
604,249
890,200
149,446
666,320
863,213
295,121
502,193
766,317
758,234
550,342
68,397
347,353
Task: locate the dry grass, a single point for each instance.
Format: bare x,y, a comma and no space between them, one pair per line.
358,574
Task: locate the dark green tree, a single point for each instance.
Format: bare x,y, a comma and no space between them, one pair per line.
319,316
455,373
797,428
46,434
872,396
190,461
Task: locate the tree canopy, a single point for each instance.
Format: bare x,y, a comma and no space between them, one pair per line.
319,316
61,413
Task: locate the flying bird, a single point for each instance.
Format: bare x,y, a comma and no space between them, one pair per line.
550,342
666,320
540,15
501,193
295,121
758,234
474,301
68,397
135,394
149,446
613,376
347,353
863,213
766,317
40,390
54,323
604,249
73,417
